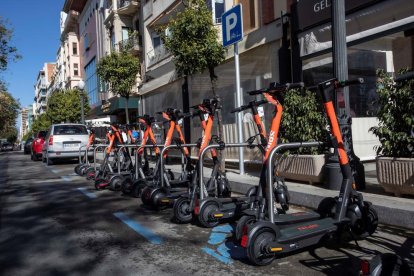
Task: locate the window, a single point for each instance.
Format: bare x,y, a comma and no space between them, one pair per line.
91,82
75,69
217,9
249,14
86,42
75,48
125,33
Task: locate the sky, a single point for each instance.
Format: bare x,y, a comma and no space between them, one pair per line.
36,36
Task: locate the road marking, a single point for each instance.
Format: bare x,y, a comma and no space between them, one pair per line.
218,237
66,178
84,191
146,233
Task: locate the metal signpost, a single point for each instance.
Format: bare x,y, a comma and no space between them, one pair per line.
232,33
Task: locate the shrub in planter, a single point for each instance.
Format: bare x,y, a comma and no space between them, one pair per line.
303,120
395,162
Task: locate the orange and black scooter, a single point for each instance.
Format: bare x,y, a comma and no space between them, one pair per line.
154,192
142,172
217,185
269,237
112,174
83,165
213,210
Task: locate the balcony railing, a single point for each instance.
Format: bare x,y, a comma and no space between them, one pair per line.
157,54
130,44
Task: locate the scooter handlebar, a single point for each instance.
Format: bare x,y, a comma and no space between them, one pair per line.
277,87
349,82
404,77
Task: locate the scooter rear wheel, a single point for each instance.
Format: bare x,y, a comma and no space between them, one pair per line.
116,182
182,212
146,196
204,216
256,250
241,223
138,187
127,186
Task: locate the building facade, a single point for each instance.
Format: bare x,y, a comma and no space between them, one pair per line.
380,35
42,87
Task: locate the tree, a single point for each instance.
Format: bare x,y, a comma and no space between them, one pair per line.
42,122
192,39
120,71
65,106
7,52
9,110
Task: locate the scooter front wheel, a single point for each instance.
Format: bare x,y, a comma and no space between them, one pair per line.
182,212
205,215
256,250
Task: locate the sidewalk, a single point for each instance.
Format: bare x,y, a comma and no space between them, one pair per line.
391,210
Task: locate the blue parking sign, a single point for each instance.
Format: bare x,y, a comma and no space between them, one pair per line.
232,25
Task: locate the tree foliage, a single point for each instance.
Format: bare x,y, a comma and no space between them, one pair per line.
303,119
193,40
9,110
120,71
65,106
7,51
41,122
396,116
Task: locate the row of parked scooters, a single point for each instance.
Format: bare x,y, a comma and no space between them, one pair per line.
265,227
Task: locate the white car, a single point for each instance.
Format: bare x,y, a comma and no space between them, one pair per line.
63,141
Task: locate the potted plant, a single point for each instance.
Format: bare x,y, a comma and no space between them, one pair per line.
395,162
302,120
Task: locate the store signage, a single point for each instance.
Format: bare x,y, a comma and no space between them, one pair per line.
232,28
314,12
105,107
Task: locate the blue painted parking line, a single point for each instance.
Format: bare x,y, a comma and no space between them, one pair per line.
66,178
134,225
217,240
216,255
84,191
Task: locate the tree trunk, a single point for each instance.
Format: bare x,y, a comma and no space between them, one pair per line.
186,109
221,154
126,110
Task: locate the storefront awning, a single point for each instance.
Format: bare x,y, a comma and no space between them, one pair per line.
115,105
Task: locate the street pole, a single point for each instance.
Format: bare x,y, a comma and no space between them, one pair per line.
239,103
82,113
340,62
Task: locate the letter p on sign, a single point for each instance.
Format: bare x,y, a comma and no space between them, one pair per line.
231,22
232,25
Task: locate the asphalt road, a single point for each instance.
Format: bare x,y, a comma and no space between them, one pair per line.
53,222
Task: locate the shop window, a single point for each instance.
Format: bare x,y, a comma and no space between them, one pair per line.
391,53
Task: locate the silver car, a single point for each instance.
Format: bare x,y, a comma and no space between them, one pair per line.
63,141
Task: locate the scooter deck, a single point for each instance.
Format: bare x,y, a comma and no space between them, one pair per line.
305,230
287,219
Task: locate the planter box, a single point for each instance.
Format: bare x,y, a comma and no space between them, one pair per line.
396,175
307,168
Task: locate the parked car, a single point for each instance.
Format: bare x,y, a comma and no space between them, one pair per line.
28,145
63,141
37,145
6,146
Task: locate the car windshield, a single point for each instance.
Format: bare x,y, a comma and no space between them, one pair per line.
70,130
29,140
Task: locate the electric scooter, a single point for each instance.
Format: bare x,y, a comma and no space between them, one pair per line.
217,185
213,210
153,193
135,185
84,164
266,239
